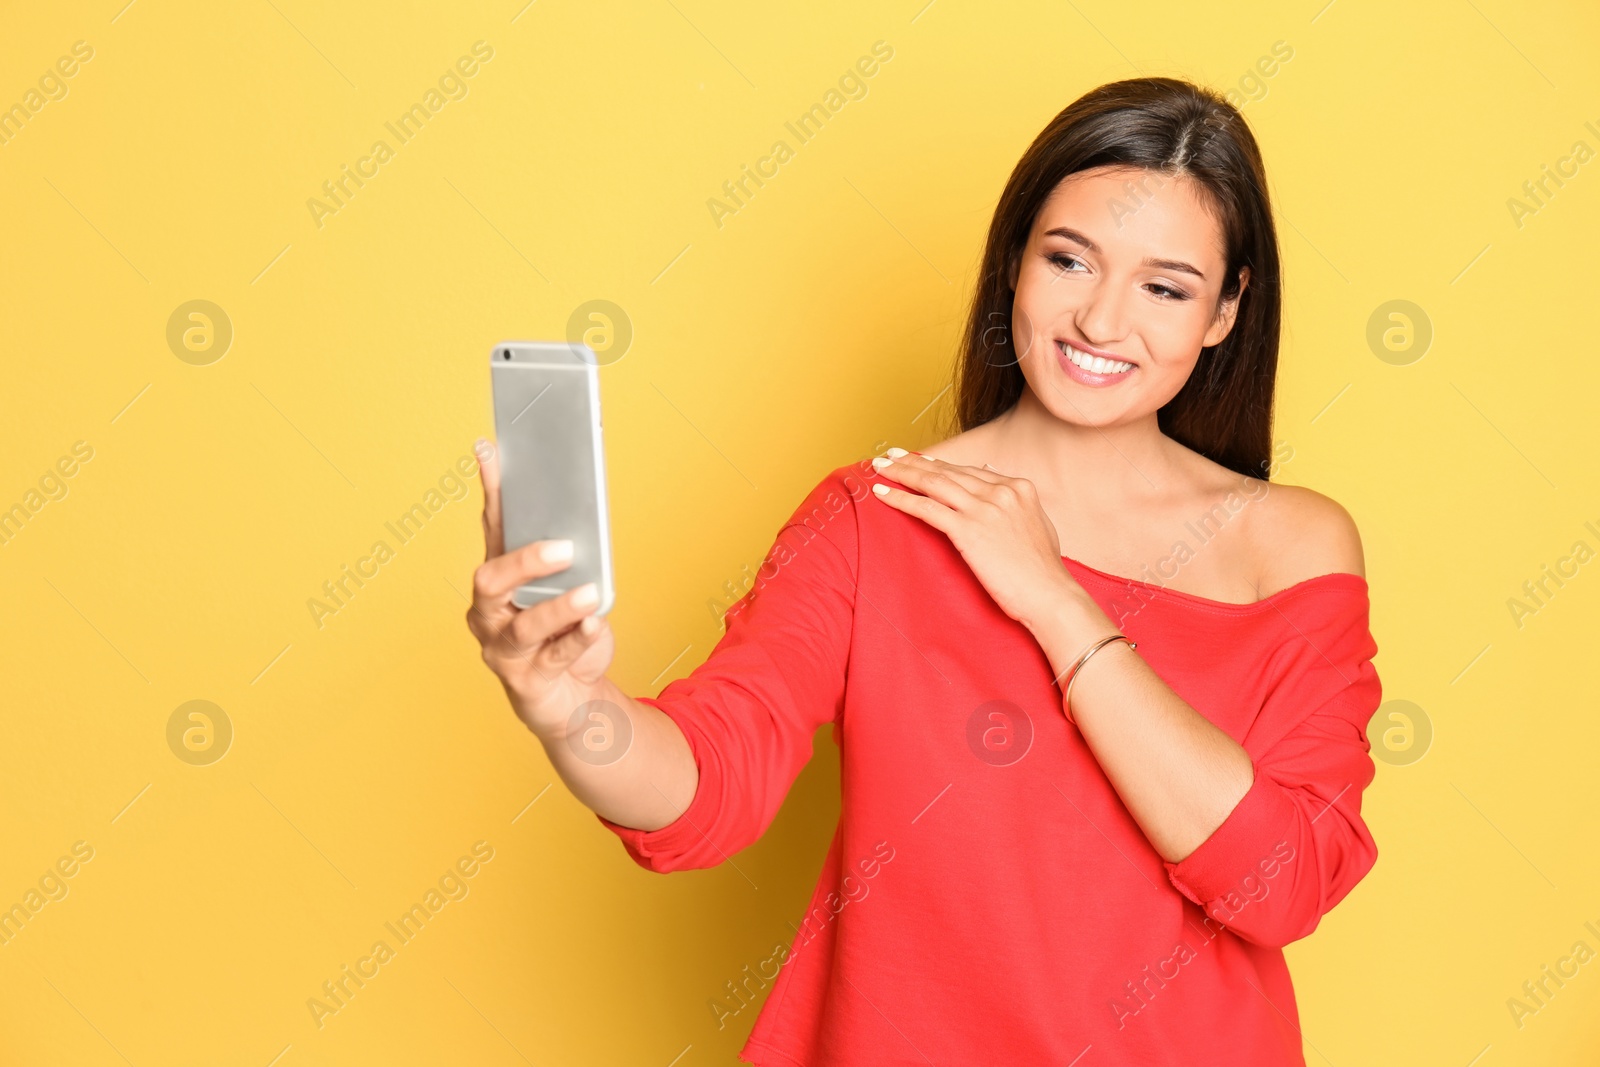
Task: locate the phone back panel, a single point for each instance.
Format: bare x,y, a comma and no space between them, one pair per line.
552,463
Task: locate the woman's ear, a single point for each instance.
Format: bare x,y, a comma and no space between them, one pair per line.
1227,312
1016,269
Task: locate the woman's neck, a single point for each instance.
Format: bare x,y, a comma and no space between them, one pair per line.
1094,467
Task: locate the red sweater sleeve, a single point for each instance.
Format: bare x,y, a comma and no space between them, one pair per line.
777,673
1295,845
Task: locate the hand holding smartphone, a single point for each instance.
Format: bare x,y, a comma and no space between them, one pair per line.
544,484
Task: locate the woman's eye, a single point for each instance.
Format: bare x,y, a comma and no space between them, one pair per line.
1066,263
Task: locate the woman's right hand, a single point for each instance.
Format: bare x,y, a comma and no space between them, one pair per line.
551,657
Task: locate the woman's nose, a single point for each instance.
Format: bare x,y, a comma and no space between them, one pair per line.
1099,317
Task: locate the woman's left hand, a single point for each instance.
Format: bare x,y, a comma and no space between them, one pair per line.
996,523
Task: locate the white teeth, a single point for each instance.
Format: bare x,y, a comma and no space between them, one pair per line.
1094,363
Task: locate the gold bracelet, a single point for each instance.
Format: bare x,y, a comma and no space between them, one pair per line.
1072,671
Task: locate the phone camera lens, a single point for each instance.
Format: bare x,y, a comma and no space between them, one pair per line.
506,354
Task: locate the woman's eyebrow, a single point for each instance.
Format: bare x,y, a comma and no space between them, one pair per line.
1165,264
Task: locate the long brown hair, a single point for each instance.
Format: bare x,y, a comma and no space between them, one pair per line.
1175,128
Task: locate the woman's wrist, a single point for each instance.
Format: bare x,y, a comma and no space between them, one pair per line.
1068,622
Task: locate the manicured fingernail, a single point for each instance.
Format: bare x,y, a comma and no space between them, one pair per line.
881,462
585,595
880,489
556,551
896,453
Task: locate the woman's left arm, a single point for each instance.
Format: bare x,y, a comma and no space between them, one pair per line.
1177,773
1197,794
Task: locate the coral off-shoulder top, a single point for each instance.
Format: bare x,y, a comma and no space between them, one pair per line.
987,898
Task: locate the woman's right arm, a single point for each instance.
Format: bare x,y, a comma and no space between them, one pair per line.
551,659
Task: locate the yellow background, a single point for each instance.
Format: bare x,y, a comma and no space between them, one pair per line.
811,328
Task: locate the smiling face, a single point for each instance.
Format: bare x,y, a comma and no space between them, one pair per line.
1115,274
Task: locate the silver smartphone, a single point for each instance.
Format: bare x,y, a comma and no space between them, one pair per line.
552,465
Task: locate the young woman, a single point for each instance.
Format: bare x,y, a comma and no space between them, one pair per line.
1087,797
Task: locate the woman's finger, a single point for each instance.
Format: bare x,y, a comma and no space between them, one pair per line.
494,540
498,577
534,627
973,477
926,508
559,652
952,486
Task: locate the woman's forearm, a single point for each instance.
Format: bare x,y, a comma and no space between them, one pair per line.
1177,773
624,760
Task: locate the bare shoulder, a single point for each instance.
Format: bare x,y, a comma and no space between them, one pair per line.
1299,533
966,448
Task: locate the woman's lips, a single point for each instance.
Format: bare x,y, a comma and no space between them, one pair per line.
1085,376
